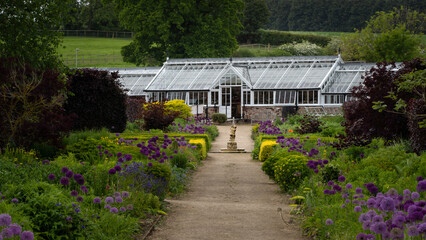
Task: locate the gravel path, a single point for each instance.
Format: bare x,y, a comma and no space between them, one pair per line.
229,198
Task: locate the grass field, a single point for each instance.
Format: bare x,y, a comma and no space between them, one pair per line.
94,52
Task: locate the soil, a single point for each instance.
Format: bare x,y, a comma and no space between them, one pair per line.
229,197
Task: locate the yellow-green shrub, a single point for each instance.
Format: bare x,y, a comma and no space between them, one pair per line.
290,171
201,146
178,105
266,148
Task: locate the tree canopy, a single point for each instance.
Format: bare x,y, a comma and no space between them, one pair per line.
180,28
387,37
26,30
255,16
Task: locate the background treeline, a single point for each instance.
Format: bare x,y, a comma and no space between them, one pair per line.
330,15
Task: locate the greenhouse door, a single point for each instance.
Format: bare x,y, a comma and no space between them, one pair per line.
231,102
225,104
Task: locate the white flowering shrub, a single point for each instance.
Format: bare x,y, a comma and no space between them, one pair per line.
304,48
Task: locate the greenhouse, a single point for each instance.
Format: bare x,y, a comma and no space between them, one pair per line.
250,88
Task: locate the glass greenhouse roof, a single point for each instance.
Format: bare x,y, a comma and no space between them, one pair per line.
136,80
345,77
258,73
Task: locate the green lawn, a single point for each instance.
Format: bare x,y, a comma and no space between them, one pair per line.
94,52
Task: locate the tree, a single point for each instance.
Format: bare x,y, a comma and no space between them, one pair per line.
181,28
387,37
27,30
256,15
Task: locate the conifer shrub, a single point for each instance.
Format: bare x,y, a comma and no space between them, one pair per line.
97,99
219,117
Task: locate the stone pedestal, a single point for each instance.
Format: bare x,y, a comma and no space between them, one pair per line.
232,145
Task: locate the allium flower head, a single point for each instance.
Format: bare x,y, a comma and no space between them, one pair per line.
83,189
117,194
68,219
5,219
52,176
130,207
330,183
15,229
358,190
419,178
357,209
65,181
119,154
415,195
79,199
117,168
45,162
27,235
96,200
15,200
370,237
109,200
114,210
377,219
360,236
342,178
118,199
125,194
69,174
64,170
108,206
329,222
149,164
407,192
387,204
421,186
74,193
112,171
366,225
122,209
397,233
349,186
422,227
412,231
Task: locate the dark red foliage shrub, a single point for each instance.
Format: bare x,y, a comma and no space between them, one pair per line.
134,108
156,116
417,135
309,124
30,105
362,122
97,99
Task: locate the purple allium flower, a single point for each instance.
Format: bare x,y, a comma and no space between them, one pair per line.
361,155
68,218
397,233
15,200
149,164
128,157
377,218
117,134
363,217
337,188
106,152
370,237
330,183
357,209
109,200
15,229
371,202
415,195
139,145
406,192
422,227
69,174
117,194
325,161
97,200
358,190
412,231
83,189
122,209
327,191
112,171
121,160
125,194
343,206
114,210
117,168
130,207
52,176
347,201
119,154
387,204
108,206
419,178
65,181
421,186
5,219
398,220
366,225
118,199
99,147
45,162
316,170
79,199
360,236
342,178
27,235
372,188
349,186
74,193
329,222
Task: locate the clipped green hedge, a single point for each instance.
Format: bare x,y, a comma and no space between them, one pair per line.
278,38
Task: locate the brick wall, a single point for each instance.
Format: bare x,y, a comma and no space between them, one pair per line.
262,113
